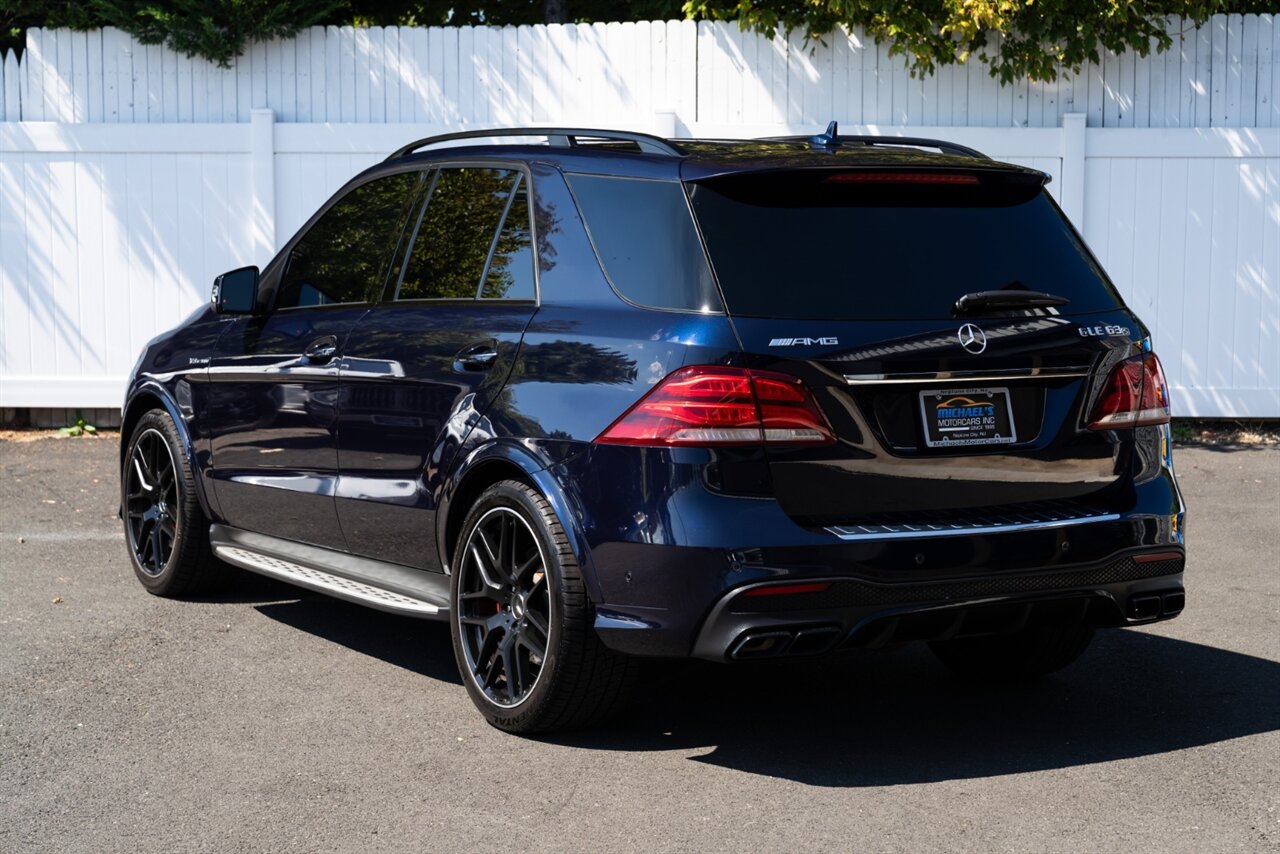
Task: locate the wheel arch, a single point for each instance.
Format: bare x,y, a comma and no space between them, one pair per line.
144,399
496,462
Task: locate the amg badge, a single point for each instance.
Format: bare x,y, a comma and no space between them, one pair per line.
803,342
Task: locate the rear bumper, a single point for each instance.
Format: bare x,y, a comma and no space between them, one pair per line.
665,564
1133,589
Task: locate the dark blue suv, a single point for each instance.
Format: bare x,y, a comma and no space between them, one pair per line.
592,396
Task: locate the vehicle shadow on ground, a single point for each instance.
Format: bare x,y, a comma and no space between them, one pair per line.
873,718
420,646
897,717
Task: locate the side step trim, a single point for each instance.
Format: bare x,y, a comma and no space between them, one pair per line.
387,587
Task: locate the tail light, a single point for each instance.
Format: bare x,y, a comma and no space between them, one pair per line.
1136,395
707,406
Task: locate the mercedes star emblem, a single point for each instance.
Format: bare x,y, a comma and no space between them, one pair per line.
972,339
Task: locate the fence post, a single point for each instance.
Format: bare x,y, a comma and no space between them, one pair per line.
1073,153
262,169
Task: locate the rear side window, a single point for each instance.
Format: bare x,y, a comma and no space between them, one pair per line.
510,274
343,257
647,242
471,221
819,244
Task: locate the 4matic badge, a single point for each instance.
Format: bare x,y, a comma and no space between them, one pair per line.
803,342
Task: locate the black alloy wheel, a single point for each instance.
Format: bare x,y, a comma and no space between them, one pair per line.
505,606
523,626
165,527
151,496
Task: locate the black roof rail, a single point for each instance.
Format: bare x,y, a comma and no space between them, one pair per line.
558,137
831,138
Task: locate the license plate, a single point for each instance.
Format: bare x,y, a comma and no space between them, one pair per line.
970,416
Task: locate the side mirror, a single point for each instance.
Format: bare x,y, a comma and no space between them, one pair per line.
236,292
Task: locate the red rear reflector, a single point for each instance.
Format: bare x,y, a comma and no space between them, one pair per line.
901,178
1152,557
788,589
709,406
1136,395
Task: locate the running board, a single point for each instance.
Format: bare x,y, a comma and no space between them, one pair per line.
387,587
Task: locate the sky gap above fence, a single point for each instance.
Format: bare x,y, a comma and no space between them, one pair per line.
1224,74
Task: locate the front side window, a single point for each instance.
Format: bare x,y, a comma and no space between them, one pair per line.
472,239
343,257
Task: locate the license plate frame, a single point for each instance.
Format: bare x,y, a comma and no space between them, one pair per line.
948,423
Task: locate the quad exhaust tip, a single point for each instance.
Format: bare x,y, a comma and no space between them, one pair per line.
1152,606
811,640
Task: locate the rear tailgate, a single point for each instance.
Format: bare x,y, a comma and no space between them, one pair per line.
940,417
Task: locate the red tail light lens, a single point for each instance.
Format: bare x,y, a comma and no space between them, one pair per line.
1136,395
710,406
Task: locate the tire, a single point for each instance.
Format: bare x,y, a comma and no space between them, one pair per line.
165,529
521,678
1033,652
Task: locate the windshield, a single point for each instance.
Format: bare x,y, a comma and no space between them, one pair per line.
892,246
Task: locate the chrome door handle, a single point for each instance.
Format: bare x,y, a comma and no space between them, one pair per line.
321,350
477,357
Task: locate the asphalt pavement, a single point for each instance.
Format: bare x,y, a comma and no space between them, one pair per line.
272,719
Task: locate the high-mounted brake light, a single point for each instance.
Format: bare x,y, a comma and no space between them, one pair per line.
1136,395
712,406
901,178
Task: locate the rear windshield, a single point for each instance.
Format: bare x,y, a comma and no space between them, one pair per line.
820,244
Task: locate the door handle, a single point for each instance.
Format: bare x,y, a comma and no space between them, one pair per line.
477,357
321,350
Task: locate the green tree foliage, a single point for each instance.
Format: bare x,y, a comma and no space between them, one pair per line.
218,30
1016,38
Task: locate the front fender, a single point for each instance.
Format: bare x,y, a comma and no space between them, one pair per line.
540,472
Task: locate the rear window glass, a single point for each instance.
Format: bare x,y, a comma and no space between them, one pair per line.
456,233
647,242
813,245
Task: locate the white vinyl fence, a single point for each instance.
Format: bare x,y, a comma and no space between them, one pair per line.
111,232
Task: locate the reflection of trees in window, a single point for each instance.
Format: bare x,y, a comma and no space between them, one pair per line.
343,257
511,270
455,233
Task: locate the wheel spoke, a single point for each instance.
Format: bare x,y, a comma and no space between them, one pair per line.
538,623
529,640
523,569
486,571
157,546
493,671
511,669
140,470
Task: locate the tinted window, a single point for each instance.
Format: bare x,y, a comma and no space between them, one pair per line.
646,241
510,273
343,257
455,232
811,245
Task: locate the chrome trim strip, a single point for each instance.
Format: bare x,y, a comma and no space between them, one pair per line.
864,533
968,376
